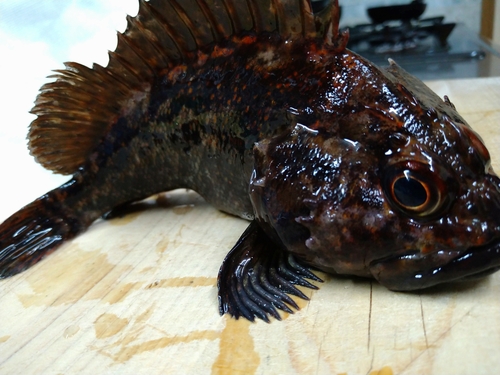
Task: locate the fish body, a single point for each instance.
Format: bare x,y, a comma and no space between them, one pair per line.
340,165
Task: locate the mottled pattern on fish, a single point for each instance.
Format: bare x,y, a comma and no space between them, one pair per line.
259,107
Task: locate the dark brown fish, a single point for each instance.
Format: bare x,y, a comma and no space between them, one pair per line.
259,107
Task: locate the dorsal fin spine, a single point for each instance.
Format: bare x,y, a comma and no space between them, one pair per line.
233,16
154,38
151,43
127,73
333,36
164,34
170,31
257,17
280,16
137,51
188,22
111,78
308,26
216,28
256,20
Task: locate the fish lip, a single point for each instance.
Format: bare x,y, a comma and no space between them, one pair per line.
413,270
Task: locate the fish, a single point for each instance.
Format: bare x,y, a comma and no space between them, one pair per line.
339,165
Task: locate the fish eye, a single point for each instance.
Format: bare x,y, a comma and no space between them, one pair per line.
409,192
414,189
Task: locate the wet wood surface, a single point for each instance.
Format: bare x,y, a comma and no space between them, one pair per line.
137,295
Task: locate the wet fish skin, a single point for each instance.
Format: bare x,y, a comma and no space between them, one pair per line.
198,124
341,166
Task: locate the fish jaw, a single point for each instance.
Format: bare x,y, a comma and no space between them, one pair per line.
413,270
477,256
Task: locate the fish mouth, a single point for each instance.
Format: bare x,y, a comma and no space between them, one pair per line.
414,270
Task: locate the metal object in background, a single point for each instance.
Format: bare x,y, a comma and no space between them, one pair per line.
429,48
405,12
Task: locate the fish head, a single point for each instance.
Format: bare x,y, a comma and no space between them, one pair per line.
399,188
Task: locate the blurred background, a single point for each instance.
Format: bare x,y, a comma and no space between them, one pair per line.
36,37
439,39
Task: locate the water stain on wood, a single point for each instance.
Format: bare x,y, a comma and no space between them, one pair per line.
383,371
62,281
183,282
131,343
163,246
183,209
126,219
127,352
121,291
108,325
71,331
237,353
144,317
167,245
148,270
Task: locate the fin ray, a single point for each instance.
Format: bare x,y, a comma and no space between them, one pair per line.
76,110
196,21
34,232
240,15
165,36
257,276
218,12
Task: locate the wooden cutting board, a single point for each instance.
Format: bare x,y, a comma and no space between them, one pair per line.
137,295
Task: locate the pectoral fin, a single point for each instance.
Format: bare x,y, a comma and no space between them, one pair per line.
257,277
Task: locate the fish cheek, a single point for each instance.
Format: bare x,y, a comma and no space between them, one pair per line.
276,198
346,235
322,200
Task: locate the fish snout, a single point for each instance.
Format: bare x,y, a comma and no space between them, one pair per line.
415,270
474,225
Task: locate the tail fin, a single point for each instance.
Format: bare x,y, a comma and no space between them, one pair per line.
34,232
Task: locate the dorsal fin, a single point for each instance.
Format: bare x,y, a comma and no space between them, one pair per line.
78,108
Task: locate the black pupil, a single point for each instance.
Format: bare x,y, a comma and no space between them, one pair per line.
409,192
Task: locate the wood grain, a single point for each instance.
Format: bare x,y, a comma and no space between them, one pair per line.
137,295
487,18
